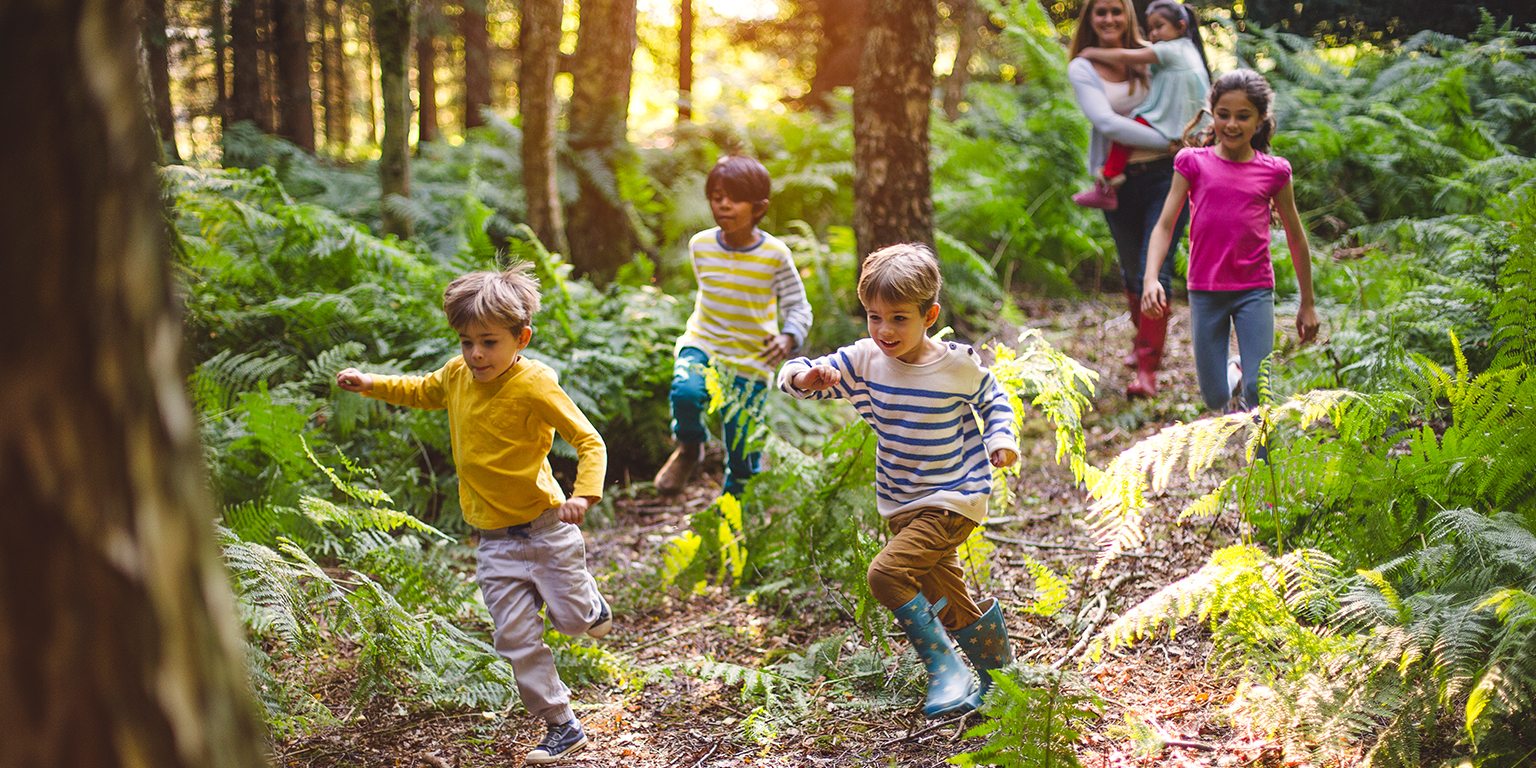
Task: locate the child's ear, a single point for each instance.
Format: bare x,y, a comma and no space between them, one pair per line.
526,336
760,207
932,315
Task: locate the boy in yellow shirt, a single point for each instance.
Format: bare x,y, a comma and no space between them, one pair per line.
503,412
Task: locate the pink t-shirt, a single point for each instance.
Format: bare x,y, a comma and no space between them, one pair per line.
1229,217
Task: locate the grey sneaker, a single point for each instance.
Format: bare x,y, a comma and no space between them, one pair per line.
560,742
604,621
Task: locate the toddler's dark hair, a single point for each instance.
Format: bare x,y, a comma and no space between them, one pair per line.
741,178
1179,14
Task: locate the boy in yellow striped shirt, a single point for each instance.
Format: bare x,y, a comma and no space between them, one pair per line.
503,412
749,315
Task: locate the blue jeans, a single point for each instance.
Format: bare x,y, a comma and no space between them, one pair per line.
742,420
1141,203
1213,316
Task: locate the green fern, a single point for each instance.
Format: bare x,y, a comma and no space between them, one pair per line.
1033,718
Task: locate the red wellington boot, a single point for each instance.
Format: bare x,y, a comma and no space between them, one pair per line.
1133,303
1151,332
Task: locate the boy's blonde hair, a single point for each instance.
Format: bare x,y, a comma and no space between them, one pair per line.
508,298
901,273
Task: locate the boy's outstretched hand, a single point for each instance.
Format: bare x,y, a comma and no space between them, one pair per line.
574,510
1004,457
776,348
817,378
353,380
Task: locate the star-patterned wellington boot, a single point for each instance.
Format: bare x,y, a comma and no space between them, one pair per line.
951,686
986,643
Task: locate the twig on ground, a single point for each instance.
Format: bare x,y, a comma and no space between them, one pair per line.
933,726
711,751
432,760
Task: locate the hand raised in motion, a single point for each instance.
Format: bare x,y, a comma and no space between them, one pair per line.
817,378
353,380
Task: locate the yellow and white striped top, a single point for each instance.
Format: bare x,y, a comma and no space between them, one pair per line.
743,296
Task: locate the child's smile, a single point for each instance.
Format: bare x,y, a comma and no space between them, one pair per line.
900,329
1236,121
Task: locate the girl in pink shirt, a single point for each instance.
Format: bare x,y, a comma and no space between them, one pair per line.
1232,184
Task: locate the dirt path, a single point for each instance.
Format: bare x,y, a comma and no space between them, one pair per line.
1161,688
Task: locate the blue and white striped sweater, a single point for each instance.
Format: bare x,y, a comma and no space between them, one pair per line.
931,451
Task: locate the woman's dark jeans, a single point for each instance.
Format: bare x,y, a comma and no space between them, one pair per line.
1141,203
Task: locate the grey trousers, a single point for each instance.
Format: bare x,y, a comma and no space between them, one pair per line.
1213,316
520,571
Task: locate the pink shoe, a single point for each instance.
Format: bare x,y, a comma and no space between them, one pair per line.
1101,196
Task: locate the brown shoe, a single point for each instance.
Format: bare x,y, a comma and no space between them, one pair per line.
678,470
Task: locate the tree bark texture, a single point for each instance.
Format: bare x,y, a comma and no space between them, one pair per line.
295,96
245,98
327,27
892,186
539,40
392,34
477,62
426,74
216,26
118,639
839,49
158,64
968,16
684,61
600,233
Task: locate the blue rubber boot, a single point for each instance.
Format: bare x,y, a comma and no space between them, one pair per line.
986,644
951,686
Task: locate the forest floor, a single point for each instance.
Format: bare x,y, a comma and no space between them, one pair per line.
1163,703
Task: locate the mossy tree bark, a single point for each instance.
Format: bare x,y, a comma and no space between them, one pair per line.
118,638
477,61
601,236
892,183
392,36
539,39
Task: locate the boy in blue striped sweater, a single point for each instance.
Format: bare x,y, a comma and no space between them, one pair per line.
933,473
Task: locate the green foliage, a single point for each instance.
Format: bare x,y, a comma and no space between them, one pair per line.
1033,718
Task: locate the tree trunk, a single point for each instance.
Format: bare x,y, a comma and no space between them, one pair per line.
295,97
245,100
599,233
267,115
220,74
118,639
370,63
969,17
844,25
392,33
684,61
477,62
892,190
158,63
426,75
327,27
539,39
343,74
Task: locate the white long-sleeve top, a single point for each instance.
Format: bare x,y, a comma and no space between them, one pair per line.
744,295
931,451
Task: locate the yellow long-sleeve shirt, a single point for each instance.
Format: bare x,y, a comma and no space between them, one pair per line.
501,433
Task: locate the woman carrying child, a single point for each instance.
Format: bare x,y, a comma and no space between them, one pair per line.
1110,86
